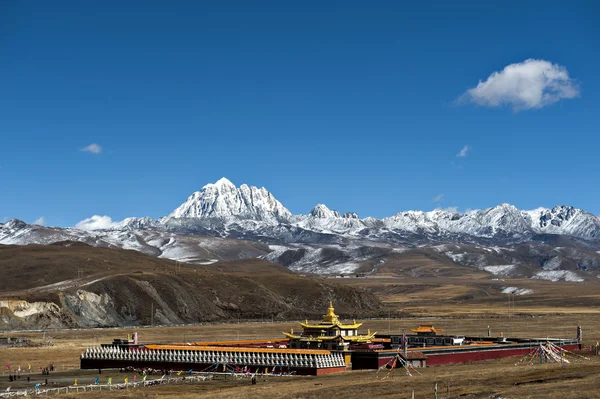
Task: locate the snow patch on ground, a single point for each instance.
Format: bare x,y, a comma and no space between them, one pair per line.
344,268
207,262
499,270
552,264
557,275
440,248
178,254
313,262
280,248
456,258
517,291
399,250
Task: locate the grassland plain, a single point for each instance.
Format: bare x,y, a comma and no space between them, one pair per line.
458,300
488,379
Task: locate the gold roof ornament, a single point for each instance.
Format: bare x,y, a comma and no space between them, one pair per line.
330,320
331,317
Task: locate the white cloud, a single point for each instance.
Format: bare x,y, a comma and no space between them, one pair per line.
96,222
463,152
93,148
438,198
41,221
525,85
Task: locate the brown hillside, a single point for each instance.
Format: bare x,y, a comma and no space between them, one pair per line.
32,266
119,287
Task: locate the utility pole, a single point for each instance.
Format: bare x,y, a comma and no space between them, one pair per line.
152,314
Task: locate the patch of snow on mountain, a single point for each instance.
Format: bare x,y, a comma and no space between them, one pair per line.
161,242
311,258
517,291
399,250
182,254
557,275
440,248
343,268
276,252
456,258
552,264
499,270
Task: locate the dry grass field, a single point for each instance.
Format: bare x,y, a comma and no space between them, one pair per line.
459,300
490,379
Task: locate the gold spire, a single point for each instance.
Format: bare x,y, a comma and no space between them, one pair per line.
331,317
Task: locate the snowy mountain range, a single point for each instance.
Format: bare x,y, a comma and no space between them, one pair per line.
224,221
250,207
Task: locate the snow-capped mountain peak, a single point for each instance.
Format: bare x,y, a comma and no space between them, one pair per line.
222,184
222,200
322,212
566,220
15,224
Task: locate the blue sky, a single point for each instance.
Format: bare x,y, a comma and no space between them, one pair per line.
363,106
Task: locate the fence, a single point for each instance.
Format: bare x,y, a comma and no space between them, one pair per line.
100,387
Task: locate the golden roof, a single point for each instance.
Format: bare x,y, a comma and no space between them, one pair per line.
349,338
331,320
426,329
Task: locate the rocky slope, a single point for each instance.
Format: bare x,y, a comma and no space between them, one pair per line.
75,285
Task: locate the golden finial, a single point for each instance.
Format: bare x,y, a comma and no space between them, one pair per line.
331,317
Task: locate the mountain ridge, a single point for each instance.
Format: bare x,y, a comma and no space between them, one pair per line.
225,203
225,222
219,205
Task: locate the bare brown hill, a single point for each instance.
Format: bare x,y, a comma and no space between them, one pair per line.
75,285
